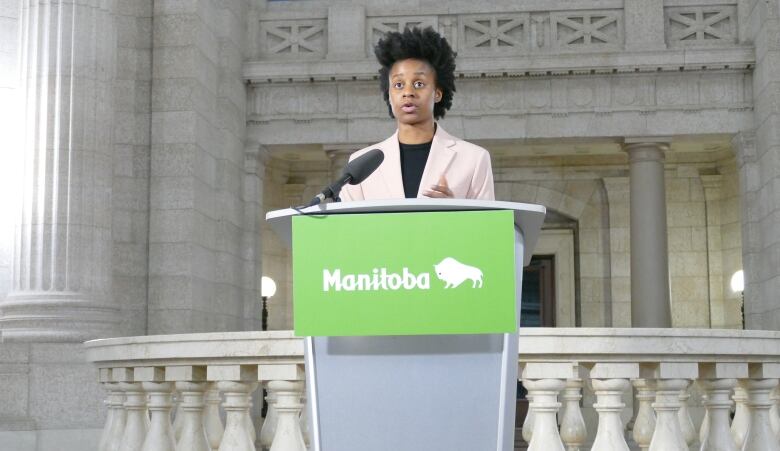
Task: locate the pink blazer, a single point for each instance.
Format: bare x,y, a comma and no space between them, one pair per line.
466,167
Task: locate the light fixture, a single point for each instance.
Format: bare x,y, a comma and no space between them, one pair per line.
267,287
738,282
267,290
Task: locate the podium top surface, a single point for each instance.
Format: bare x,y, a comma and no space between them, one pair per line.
528,217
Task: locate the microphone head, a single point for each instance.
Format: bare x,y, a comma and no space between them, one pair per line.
361,167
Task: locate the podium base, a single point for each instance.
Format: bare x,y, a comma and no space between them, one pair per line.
412,393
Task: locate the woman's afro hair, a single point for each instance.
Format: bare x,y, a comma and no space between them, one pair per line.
426,45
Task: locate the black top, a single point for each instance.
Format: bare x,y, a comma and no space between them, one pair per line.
413,159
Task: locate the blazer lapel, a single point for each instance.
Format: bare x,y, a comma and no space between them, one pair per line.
439,159
391,168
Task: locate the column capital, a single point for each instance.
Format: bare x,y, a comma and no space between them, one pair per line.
647,140
642,148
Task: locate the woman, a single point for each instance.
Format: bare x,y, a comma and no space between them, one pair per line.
417,78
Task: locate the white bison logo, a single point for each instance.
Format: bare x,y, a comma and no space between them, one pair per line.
455,273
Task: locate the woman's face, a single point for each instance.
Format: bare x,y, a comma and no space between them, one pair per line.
413,91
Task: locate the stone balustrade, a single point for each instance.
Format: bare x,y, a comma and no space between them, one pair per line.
208,381
147,378
664,366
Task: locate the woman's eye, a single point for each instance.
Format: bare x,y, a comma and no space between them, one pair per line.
419,84
397,85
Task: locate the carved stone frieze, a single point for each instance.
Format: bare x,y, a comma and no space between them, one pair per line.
560,29
293,38
701,25
497,33
376,27
596,30
643,93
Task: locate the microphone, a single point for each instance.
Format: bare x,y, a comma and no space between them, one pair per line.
355,172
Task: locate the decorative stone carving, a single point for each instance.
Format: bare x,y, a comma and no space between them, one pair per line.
701,25
293,38
496,33
377,27
595,30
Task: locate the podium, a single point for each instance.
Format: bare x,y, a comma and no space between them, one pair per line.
401,389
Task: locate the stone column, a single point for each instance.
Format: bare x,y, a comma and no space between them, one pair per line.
650,296
62,257
255,157
618,314
744,145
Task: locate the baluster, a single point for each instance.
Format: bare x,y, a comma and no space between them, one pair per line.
760,436
774,412
741,422
113,391
114,441
686,423
704,430
160,435
573,431
304,422
288,436
644,424
177,416
191,403
109,387
545,405
269,425
668,435
528,424
718,436
609,405
250,424
236,436
212,422
137,422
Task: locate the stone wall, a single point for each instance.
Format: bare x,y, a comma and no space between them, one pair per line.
760,169
131,164
196,275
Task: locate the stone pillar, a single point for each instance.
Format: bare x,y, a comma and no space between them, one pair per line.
617,189
196,212
712,197
744,145
761,309
650,296
62,259
255,157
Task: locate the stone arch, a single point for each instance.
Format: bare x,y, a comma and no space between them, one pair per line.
568,198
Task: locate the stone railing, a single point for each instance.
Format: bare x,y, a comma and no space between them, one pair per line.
146,378
664,366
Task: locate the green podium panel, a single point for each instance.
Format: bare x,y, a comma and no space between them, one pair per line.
424,273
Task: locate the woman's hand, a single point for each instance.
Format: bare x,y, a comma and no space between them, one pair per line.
440,190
